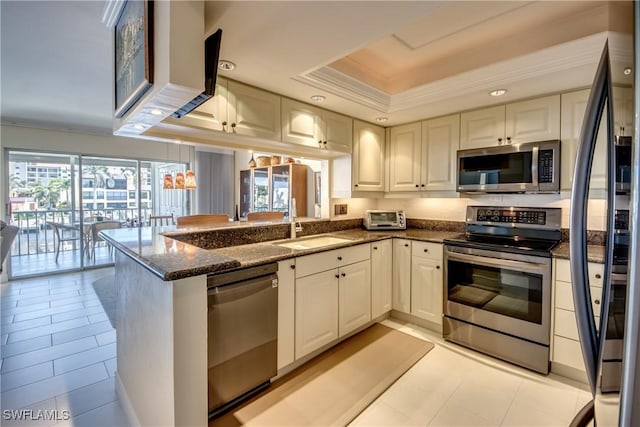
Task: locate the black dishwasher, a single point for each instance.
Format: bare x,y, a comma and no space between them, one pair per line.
242,333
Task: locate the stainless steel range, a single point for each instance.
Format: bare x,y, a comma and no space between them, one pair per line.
497,297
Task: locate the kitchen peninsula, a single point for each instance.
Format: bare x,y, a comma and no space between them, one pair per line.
161,286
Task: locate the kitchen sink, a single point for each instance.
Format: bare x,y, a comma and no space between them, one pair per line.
314,242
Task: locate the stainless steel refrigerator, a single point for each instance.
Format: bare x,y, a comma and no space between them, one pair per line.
609,349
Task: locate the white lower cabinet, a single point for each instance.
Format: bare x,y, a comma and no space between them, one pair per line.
316,311
381,277
286,311
402,275
566,342
332,296
426,281
354,297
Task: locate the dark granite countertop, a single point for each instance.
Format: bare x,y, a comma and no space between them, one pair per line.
172,259
595,253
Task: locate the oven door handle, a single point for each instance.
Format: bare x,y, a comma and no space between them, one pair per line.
499,263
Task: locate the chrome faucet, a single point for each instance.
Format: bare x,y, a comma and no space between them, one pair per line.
296,226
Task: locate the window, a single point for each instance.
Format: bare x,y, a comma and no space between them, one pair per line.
132,194
99,194
117,195
145,195
87,195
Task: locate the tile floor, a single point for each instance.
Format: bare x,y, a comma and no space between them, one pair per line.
58,353
452,386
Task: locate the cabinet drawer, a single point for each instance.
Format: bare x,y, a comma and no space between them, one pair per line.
427,250
563,272
567,352
311,264
564,297
565,324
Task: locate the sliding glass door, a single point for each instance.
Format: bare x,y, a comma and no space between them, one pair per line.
61,202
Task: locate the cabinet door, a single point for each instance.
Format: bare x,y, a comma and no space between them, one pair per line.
337,131
381,277
301,123
623,110
213,113
482,128
368,157
404,157
426,289
286,311
254,112
533,120
355,296
401,275
574,105
316,311
440,142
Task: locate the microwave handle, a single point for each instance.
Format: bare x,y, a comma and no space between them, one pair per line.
497,263
534,166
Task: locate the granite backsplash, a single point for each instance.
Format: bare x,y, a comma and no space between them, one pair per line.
225,237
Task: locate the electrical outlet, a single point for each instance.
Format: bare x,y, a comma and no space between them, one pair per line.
340,209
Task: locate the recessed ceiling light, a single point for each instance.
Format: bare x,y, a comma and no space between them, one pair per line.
381,119
318,98
627,71
226,65
138,126
498,92
156,112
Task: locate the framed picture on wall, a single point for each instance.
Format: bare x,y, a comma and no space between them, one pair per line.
133,53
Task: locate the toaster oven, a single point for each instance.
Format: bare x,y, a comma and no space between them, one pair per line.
384,220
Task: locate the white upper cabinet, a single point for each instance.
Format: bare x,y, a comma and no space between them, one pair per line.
527,121
623,111
253,112
440,141
405,148
314,127
482,128
240,109
422,156
574,105
534,120
367,162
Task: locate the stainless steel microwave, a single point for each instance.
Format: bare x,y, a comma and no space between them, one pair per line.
532,167
384,220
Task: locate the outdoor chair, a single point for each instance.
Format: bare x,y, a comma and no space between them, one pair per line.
63,233
161,220
95,237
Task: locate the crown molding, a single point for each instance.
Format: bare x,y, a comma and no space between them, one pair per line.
563,57
347,87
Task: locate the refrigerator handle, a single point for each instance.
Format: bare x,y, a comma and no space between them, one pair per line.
599,97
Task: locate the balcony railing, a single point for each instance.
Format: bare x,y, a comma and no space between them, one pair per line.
36,237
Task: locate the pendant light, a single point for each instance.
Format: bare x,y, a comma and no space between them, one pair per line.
168,182
190,181
179,181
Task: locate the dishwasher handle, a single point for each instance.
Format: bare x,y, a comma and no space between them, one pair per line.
234,291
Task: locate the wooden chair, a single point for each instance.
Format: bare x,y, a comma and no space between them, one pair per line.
195,220
95,237
265,216
161,220
63,233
